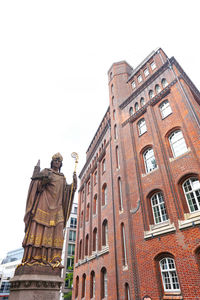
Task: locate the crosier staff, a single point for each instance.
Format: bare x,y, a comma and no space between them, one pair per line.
75,156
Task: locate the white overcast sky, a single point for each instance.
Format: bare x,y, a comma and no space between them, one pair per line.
54,58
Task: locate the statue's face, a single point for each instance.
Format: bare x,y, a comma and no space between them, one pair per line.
56,164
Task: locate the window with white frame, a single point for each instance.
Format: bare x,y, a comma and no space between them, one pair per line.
139,78
158,208
72,235
165,109
73,222
149,160
146,72
157,88
142,102
191,188
142,128
151,94
71,249
70,262
169,275
153,65
177,143
133,85
164,82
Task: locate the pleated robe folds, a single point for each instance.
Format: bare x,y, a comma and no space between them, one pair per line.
47,209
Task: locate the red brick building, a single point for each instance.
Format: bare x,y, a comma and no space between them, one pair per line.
139,200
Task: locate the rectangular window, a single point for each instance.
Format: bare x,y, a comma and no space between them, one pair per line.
139,78
146,72
73,222
133,85
72,236
153,65
71,249
70,262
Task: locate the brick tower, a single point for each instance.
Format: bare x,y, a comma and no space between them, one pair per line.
139,201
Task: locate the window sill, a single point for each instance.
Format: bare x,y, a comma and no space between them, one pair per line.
144,175
159,229
180,156
191,219
172,296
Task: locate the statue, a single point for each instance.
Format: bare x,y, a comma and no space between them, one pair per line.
48,207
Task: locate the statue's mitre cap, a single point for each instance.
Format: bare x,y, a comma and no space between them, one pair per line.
57,156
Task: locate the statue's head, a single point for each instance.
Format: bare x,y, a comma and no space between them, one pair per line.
57,160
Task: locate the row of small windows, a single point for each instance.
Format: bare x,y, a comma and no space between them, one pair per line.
146,74
94,240
92,282
168,275
164,83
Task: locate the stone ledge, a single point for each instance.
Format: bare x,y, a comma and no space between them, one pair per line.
159,229
191,219
94,255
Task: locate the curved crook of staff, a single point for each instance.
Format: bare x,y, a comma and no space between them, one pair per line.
75,156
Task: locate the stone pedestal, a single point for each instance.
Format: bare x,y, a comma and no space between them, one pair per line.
36,283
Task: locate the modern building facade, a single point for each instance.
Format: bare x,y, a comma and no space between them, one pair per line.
7,269
139,200
69,249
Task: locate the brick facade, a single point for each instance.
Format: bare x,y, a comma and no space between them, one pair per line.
137,233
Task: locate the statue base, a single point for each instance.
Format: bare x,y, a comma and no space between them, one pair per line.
36,282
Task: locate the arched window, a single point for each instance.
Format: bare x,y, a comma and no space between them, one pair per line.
123,240
191,188
104,283
113,98
133,85
158,208
142,128
149,160
95,177
95,239
114,114
83,285
104,194
112,88
105,233
157,88
164,82
88,187
81,219
127,292
169,275
131,111
151,94
120,194
103,165
117,157
115,132
95,205
88,212
77,286
136,106
177,143
142,101
92,285
86,244
80,249
165,109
